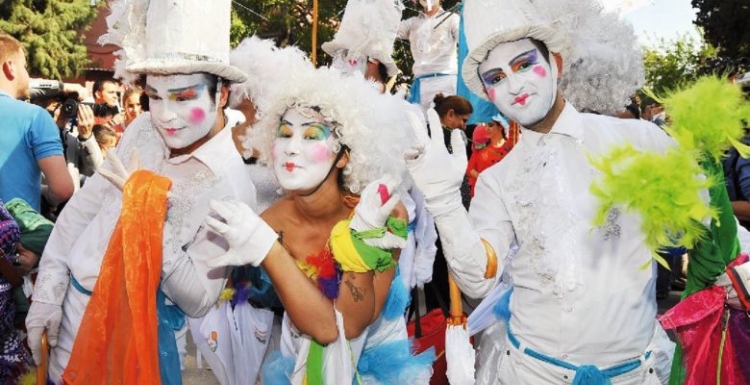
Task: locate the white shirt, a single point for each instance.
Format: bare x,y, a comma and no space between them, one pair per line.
83,230
580,293
435,50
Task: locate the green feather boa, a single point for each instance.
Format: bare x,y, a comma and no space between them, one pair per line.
705,120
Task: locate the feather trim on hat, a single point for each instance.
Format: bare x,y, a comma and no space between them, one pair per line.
368,29
127,29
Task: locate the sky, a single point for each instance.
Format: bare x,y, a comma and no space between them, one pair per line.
656,19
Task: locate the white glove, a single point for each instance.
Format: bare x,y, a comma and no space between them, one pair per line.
436,173
42,316
118,174
374,207
733,297
249,237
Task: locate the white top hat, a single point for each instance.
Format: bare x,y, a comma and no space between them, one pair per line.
368,28
167,37
601,59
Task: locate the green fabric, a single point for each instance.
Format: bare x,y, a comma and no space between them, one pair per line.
35,228
711,256
398,227
314,365
373,257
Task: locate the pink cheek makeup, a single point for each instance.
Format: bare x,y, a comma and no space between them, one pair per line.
320,153
197,115
539,70
491,94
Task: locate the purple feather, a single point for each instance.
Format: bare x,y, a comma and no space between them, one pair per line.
330,286
241,295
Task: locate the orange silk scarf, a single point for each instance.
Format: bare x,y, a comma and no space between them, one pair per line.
117,343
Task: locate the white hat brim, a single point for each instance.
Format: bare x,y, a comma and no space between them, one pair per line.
182,66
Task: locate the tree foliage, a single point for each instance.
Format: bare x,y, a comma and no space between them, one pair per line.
50,33
726,24
674,63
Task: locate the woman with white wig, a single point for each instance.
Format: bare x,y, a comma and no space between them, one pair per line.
330,246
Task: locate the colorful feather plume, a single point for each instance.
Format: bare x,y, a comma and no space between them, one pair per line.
705,119
709,116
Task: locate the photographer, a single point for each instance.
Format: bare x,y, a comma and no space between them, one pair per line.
107,102
76,121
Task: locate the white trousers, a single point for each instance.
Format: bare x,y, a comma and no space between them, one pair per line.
432,86
518,368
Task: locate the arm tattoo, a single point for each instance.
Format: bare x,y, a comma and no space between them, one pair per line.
357,294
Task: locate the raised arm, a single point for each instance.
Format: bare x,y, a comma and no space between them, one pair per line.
438,175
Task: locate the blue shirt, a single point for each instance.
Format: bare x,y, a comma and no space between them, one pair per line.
28,135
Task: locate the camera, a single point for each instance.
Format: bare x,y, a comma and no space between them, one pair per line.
69,108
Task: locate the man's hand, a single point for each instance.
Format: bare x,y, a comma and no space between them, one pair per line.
249,237
736,282
81,91
436,173
27,259
117,173
375,206
41,317
85,121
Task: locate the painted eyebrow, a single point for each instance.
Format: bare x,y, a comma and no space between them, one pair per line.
525,55
198,87
308,124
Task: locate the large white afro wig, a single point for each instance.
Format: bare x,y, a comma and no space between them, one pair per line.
373,126
265,65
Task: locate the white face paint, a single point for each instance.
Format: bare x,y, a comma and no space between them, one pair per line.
519,81
181,108
428,4
303,151
348,65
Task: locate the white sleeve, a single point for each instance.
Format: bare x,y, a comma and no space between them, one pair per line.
54,273
404,29
188,281
461,236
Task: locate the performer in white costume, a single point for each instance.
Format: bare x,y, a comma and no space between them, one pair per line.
582,309
183,49
433,41
328,138
245,326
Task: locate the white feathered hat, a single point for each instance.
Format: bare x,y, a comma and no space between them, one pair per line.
602,61
166,37
368,28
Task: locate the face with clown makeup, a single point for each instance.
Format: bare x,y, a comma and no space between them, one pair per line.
304,150
520,81
429,5
183,109
348,65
